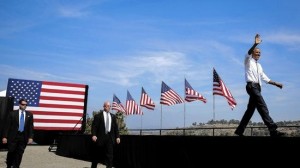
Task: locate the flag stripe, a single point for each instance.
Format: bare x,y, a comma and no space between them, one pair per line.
57,121
62,98
61,106
63,84
42,101
56,113
62,91
56,95
60,127
43,109
60,117
57,125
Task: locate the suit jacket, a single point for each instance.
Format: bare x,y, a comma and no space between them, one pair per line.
98,128
12,125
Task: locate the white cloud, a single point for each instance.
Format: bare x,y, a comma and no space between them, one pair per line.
290,39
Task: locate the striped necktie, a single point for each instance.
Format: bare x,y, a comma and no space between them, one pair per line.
107,123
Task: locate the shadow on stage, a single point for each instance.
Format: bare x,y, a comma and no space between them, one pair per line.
136,151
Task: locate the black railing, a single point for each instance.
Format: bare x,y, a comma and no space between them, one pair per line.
216,131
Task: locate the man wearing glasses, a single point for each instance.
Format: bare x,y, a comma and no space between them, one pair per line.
17,133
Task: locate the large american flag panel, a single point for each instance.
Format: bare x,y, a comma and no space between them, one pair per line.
55,105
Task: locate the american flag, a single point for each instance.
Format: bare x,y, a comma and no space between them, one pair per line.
191,94
55,105
219,88
131,106
117,105
169,96
146,101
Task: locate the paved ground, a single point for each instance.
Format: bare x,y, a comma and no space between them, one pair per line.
36,156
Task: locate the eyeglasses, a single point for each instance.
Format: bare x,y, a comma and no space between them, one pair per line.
24,104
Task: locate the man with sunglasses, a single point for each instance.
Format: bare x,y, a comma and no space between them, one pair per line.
17,133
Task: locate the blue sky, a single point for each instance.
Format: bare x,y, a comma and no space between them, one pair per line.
119,45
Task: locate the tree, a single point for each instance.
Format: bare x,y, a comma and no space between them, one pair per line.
121,124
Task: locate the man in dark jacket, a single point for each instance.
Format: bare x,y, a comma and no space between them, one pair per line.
105,133
17,133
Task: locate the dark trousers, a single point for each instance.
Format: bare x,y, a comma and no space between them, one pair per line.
16,148
256,101
103,152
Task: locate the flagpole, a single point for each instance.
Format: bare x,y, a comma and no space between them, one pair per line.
184,108
160,116
184,115
141,119
213,99
213,109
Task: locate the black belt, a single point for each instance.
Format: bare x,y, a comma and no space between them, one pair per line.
253,83
19,132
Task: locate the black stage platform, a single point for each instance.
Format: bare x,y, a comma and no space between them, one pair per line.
189,151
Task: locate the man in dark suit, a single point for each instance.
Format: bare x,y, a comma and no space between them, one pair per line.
17,133
105,133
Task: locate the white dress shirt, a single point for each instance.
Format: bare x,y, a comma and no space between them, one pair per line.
253,71
109,119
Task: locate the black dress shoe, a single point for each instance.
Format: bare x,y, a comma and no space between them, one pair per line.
238,133
277,134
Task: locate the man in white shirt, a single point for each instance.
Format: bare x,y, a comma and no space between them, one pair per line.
254,75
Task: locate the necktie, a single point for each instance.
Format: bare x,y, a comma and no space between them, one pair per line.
21,127
258,76
107,123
